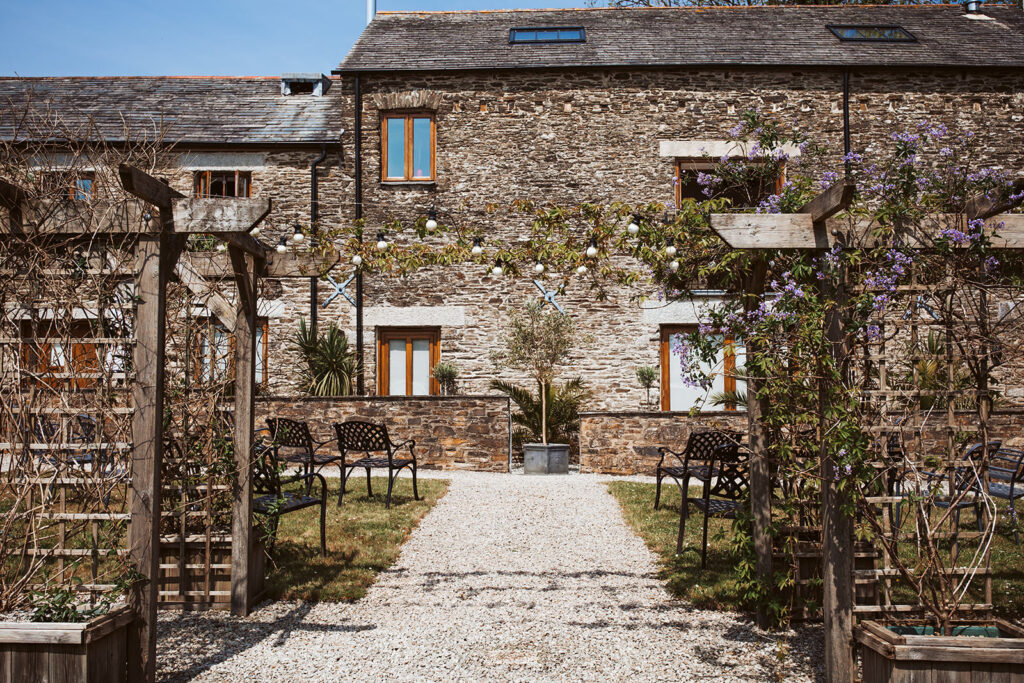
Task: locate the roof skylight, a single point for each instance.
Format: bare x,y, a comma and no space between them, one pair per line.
548,34
873,34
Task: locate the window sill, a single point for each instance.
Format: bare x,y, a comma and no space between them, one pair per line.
409,183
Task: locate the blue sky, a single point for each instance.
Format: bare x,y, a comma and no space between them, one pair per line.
216,37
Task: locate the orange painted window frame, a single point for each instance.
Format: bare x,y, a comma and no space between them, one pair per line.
407,164
728,364
387,336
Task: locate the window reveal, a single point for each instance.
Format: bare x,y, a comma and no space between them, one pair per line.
677,394
406,358
409,144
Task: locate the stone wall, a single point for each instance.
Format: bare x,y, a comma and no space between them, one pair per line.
570,136
451,432
627,442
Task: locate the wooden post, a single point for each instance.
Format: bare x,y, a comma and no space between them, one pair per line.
245,368
760,476
836,530
152,270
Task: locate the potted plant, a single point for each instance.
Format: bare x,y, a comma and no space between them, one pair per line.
561,411
538,342
647,375
446,373
331,364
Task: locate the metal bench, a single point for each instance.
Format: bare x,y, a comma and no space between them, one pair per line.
367,437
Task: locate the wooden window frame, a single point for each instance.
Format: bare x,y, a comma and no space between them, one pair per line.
728,364
706,164
210,324
202,180
408,148
81,354
385,335
69,181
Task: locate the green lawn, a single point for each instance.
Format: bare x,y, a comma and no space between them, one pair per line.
715,586
711,588
363,539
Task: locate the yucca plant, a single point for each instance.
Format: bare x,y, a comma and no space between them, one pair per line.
331,365
563,405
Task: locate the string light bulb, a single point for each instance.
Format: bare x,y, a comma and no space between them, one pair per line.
382,242
222,247
297,236
357,260
581,270
255,232
538,268
282,246
670,247
592,249
633,228
432,220
497,269
674,266
477,247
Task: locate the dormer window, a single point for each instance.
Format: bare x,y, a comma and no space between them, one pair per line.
548,34
305,84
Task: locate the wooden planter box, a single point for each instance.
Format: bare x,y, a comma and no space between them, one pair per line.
889,656
90,652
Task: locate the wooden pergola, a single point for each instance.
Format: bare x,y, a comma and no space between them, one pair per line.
808,230
161,239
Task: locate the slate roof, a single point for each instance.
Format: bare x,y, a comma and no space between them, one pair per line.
754,36
199,110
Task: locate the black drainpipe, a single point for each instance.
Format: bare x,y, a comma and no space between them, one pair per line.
314,216
846,120
357,96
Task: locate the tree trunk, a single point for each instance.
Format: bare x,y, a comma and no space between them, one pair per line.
543,414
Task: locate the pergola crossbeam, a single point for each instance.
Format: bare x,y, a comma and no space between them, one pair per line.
216,216
986,207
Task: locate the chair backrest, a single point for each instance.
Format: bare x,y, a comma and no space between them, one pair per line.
732,480
702,445
976,451
290,433
363,436
266,472
1011,460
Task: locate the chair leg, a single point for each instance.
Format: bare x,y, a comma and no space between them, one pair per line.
415,491
323,526
977,516
657,491
391,483
341,479
369,487
682,527
704,543
344,483
1013,521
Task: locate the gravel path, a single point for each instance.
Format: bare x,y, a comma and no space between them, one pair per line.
508,578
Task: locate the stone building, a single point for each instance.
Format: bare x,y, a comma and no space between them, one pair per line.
455,112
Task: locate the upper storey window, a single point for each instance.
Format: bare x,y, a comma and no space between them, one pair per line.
873,34
222,183
548,34
68,185
408,144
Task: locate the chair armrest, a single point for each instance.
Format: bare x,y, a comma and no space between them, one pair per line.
664,450
304,477
317,445
410,443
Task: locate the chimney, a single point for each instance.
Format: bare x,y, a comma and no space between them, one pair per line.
371,10
972,6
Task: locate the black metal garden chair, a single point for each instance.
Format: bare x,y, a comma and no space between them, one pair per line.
299,446
965,479
368,438
726,487
694,461
271,500
1006,481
